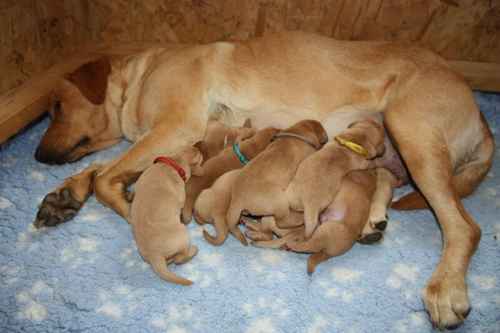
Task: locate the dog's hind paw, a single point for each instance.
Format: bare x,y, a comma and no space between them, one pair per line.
446,301
57,207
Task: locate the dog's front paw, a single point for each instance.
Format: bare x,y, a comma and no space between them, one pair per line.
57,207
447,301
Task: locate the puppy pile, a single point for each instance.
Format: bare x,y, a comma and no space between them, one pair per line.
293,189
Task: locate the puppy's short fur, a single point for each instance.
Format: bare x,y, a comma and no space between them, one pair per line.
219,136
155,215
222,163
319,176
344,220
212,204
260,188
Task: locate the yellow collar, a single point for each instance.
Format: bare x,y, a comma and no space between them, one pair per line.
358,149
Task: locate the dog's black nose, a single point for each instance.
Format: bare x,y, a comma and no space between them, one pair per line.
43,157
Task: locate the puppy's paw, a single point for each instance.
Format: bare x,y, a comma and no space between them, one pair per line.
57,207
256,232
446,301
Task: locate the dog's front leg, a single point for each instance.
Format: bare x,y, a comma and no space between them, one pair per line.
62,204
111,182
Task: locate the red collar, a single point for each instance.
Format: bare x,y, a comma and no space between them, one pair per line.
170,162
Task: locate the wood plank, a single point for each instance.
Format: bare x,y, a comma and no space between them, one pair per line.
480,75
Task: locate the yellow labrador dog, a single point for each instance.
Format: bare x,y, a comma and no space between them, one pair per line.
161,99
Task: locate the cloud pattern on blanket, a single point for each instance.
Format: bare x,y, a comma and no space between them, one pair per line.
87,275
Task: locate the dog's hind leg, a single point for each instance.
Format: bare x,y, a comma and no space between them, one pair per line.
466,178
64,203
428,134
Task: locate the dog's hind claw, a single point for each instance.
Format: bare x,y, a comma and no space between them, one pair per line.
56,208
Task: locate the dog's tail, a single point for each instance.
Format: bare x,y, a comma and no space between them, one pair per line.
221,231
466,178
160,268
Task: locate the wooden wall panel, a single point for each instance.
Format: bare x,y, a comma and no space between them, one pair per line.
35,34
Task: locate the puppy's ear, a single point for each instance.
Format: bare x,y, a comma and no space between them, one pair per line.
202,147
92,79
247,123
196,162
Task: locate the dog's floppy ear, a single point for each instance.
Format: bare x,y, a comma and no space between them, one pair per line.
92,79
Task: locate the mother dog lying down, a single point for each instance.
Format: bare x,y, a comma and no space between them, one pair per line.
162,98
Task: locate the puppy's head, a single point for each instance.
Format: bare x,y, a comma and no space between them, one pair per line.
79,124
367,134
312,129
238,134
219,136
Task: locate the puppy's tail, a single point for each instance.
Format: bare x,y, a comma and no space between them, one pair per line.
160,268
466,178
221,232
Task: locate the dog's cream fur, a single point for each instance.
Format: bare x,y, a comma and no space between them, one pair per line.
162,98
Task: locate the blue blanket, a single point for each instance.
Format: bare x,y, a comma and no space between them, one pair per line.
86,275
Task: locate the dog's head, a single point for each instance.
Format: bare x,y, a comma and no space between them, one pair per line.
79,124
311,129
368,134
218,136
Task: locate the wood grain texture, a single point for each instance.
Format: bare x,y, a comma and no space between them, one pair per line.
35,34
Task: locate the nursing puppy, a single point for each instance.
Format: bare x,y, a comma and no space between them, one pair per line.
226,161
219,136
341,225
263,234
260,187
212,204
155,213
318,177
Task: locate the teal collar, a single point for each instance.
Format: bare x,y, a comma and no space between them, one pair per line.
239,154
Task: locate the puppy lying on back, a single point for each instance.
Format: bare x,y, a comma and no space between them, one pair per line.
229,159
212,204
219,136
260,188
343,221
319,176
155,213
